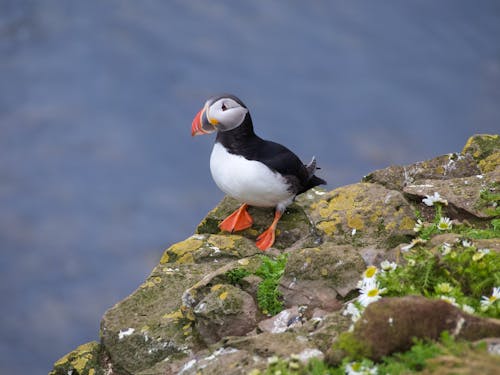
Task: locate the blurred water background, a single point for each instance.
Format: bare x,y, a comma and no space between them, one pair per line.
99,173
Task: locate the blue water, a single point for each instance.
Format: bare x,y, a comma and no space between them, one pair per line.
99,173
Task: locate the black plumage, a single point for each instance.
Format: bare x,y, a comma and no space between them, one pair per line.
243,141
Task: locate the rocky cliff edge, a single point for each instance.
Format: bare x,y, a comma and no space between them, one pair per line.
216,304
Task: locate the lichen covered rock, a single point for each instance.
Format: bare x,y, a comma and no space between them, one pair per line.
364,215
440,168
198,311
464,195
314,277
84,360
225,311
292,227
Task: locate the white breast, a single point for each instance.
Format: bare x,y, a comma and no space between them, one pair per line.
248,181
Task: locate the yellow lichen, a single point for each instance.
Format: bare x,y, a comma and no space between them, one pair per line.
329,227
186,258
355,222
165,257
244,261
223,242
223,296
147,284
390,226
490,163
407,223
440,169
216,287
78,358
174,315
185,246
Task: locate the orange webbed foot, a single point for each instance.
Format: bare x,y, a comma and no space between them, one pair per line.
238,220
266,239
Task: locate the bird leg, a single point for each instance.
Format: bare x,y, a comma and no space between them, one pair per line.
238,220
266,238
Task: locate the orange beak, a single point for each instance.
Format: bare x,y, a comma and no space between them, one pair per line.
201,125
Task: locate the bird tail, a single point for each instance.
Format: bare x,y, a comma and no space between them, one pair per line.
311,167
313,180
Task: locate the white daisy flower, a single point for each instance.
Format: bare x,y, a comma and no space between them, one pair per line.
370,293
356,368
445,248
388,266
486,302
468,309
466,243
450,300
478,256
418,226
429,200
369,276
444,223
352,310
414,242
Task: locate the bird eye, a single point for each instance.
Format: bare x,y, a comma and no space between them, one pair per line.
223,107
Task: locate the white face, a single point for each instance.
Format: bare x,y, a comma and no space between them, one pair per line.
226,113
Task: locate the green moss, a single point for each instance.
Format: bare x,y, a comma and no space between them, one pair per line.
208,225
489,200
351,347
235,275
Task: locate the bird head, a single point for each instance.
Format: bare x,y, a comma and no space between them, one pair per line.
220,112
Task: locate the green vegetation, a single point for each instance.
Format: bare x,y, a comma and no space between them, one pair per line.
268,295
235,275
458,272
416,359
489,199
270,271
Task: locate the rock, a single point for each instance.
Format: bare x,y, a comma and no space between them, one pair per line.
390,325
315,276
156,321
437,241
225,311
197,313
84,360
293,226
441,168
364,215
286,319
463,194
481,147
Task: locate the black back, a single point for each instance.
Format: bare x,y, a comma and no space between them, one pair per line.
243,141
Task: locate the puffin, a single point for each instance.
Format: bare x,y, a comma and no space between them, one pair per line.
254,171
